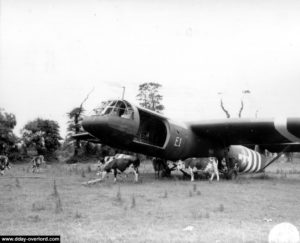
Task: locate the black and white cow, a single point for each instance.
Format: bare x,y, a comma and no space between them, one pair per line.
103,161
118,164
206,165
37,161
4,164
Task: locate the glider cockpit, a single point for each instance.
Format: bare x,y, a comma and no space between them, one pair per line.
113,120
119,108
118,122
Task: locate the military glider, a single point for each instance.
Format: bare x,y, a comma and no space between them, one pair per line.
240,141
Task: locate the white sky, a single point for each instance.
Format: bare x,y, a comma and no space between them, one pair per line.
54,52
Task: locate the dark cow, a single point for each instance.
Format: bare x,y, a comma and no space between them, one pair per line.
37,161
207,165
4,164
161,167
119,163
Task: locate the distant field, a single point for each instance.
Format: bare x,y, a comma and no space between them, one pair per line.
243,210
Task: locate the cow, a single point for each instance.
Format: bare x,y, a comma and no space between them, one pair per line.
161,167
207,165
119,163
103,161
4,164
37,161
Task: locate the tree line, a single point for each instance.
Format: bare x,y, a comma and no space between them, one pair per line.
42,136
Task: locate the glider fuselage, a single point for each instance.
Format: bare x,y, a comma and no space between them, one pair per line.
122,125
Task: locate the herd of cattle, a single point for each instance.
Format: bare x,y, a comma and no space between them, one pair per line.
120,163
36,162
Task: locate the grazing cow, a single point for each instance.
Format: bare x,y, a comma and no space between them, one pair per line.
119,163
37,161
159,165
162,168
103,161
4,164
207,165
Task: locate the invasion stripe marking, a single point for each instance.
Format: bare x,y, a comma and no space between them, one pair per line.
248,160
244,161
251,161
241,155
254,161
281,126
259,162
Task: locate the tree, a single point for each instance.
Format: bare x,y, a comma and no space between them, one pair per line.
242,104
7,137
223,108
75,116
75,127
43,135
241,109
149,96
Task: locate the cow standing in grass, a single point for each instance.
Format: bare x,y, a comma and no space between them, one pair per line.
102,162
118,164
37,161
4,164
161,167
207,165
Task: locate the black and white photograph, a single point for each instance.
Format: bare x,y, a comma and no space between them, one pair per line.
150,121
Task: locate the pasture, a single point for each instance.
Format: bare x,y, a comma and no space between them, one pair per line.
55,202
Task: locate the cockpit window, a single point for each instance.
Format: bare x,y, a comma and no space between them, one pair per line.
119,108
100,108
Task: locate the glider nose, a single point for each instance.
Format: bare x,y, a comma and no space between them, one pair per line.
95,124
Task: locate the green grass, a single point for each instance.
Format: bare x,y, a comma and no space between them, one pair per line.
54,201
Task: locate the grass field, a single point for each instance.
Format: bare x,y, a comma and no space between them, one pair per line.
55,202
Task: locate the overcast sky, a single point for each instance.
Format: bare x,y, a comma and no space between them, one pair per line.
53,53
